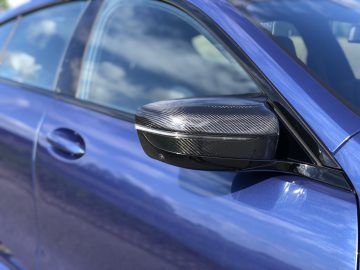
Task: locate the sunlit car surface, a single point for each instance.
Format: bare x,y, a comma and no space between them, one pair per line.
172,134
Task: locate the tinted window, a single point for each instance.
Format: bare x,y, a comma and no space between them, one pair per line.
342,32
145,51
36,48
329,30
288,36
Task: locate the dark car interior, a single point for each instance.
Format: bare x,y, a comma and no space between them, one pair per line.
325,29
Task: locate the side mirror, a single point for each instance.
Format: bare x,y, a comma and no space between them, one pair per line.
225,133
216,131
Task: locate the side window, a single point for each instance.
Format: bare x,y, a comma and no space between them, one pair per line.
143,51
35,50
351,48
287,35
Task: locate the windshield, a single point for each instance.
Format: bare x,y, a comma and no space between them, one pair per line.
323,34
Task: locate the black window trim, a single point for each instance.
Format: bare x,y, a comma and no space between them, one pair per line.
69,79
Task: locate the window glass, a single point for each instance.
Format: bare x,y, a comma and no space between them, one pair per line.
36,48
342,31
289,38
144,51
330,32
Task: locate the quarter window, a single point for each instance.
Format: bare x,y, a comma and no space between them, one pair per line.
34,52
145,51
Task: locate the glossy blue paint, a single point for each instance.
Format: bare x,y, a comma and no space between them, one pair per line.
106,211
331,121
348,157
20,114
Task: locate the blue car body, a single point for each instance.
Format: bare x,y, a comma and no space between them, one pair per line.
116,208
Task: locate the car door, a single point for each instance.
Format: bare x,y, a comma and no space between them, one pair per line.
27,77
104,204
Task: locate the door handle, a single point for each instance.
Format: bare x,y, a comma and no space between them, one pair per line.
67,143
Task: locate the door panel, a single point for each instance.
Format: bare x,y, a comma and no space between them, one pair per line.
27,42
115,208
20,115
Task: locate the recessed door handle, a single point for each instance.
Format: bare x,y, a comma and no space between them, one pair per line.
67,143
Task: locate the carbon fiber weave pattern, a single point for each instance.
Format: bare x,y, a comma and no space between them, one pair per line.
218,116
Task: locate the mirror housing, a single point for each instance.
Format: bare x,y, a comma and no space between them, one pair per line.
232,128
222,133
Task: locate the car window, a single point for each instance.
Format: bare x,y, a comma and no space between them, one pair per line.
351,48
330,32
289,38
36,48
144,51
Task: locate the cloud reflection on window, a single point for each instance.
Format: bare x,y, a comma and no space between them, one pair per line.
36,48
23,64
145,53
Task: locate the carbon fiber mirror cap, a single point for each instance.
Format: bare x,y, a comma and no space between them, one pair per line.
224,127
